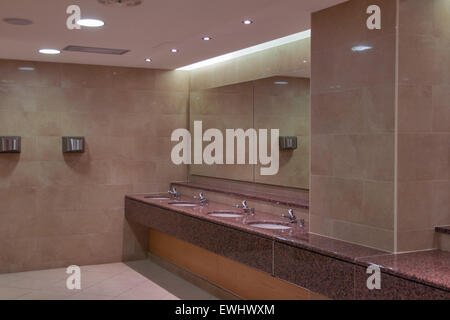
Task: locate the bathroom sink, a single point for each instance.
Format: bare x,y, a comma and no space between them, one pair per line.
184,204
156,197
226,214
270,225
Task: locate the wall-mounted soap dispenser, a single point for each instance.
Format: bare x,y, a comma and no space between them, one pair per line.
288,143
73,144
10,144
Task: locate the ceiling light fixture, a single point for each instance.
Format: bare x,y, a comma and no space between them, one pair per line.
260,47
49,51
148,60
206,38
247,21
91,23
361,48
174,50
281,82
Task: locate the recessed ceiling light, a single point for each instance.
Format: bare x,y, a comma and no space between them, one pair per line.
281,82
18,21
92,23
174,50
361,48
148,60
206,38
247,21
49,51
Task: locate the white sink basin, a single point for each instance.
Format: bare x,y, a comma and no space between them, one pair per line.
184,204
226,214
270,225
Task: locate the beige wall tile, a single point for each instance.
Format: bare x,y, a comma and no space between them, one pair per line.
415,205
44,74
336,198
61,209
413,108
415,240
441,108
423,157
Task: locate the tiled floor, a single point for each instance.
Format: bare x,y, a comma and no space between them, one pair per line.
137,280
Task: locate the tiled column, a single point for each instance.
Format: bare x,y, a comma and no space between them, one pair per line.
380,123
353,124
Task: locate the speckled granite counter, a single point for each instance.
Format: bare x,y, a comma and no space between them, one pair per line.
294,255
429,267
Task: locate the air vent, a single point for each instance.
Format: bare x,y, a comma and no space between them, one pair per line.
18,21
121,3
95,50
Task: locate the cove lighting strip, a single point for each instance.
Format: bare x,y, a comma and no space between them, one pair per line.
260,47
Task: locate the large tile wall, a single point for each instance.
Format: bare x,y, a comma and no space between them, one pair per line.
353,125
57,210
423,122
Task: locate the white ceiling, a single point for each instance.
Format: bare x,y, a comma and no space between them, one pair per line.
151,29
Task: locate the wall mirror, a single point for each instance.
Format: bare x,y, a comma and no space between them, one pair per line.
278,102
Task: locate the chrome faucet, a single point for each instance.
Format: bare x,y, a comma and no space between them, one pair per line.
201,198
290,216
173,192
246,208
302,223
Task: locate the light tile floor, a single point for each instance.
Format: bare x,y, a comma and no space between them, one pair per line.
137,280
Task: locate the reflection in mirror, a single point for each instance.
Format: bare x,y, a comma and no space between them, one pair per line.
279,102
283,103
228,107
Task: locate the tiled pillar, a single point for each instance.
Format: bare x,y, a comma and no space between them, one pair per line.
353,125
380,123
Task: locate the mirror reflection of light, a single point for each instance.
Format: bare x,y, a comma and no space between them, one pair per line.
26,68
259,47
361,48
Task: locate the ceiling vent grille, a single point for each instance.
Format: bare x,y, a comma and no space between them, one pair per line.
18,21
121,3
95,50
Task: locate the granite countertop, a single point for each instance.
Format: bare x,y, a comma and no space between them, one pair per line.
431,267
427,267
